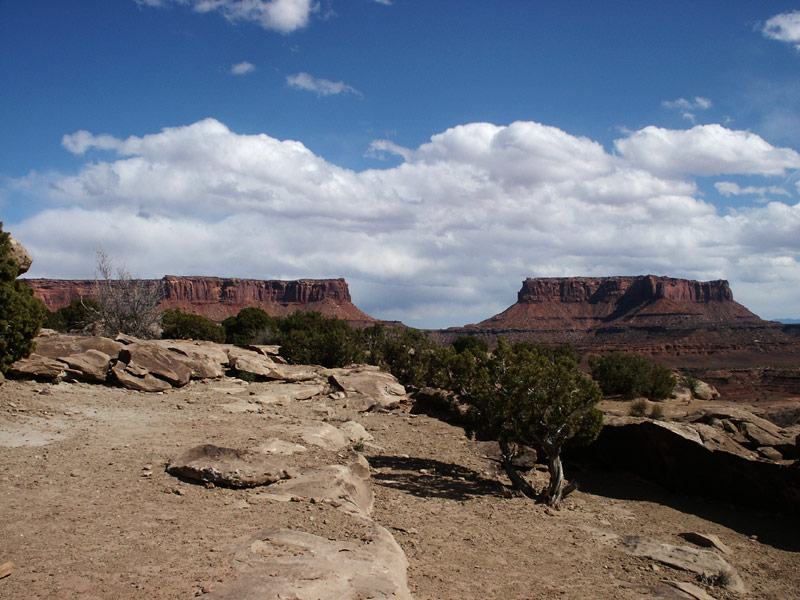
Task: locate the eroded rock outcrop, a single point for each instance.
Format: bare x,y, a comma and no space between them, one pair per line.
709,454
218,298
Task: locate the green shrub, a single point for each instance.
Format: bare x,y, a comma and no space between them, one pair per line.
21,315
77,316
631,376
251,326
312,339
177,325
470,343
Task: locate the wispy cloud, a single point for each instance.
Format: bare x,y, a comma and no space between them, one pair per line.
284,16
784,27
688,108
243,68
729,188
322,87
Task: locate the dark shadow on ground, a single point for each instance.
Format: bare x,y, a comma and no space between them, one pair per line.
440,479
779,530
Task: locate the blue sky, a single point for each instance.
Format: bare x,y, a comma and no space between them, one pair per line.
433,153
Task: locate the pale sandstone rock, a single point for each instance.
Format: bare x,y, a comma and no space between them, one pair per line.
347,487
365,380
702,562
355,432
707,540
279,446
283,563
281,393
20,255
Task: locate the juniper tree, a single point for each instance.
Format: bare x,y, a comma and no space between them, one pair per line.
528,398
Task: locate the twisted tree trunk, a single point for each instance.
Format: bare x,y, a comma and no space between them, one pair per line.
555,490
517,480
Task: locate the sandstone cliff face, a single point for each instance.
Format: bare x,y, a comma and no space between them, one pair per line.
218,298
681,323
584,303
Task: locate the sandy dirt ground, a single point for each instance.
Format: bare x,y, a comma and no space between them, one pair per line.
88,511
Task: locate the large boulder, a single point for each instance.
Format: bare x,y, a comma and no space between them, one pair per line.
205,360
157,361
369,381
20,255
696,458
286,563
228,467
91,365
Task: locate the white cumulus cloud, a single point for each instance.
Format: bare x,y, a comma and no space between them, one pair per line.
705,150
243,68
784,27
284,16
322,87
445,237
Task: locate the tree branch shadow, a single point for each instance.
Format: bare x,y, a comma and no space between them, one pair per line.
428,478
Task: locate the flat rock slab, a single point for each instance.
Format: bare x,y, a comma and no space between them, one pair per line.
59,346
91,364
37,366
283,563
702,562
138,380
370,381
205,360
279,393
228,467
157,361
346,487
707,540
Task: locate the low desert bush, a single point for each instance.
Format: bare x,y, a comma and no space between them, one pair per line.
177,325
21,315
657,412
77,316
631,376
638,408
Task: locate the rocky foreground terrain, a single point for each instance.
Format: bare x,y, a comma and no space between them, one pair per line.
315,483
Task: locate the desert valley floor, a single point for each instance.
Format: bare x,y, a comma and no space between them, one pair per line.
88,511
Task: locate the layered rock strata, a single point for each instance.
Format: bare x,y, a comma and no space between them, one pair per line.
681,323
218,298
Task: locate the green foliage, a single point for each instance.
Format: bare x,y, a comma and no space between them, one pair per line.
472,343
312,339
21,315
631,376
251,326
177,325
77,316
525,398
403,351
562,350
690,382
